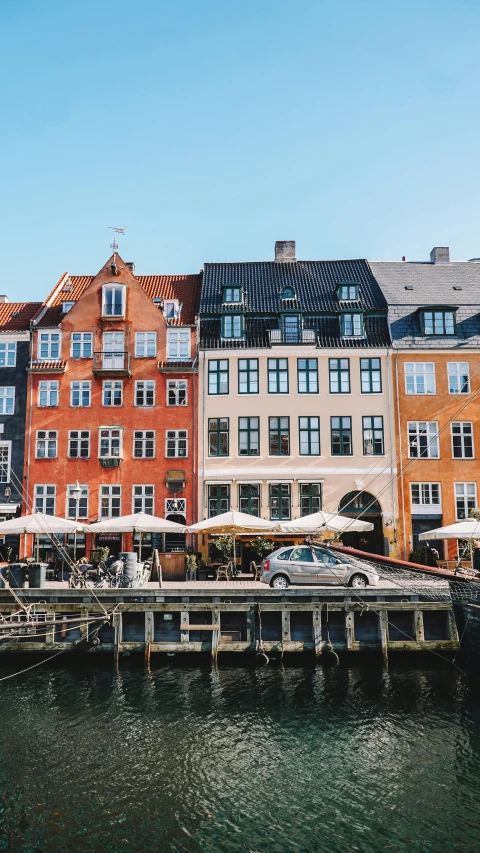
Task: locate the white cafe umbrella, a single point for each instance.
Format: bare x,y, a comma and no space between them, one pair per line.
318,521
138,522
233,522
39,523
469,528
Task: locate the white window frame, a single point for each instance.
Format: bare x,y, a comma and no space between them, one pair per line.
5,464
84,499
67,305
9,348
464,491
7,393
427,504
417,373
142,389
171,309
140,498
463,432
179,344
145,344
174,388
110,438
50,387
181,507
354,322
430,429
46,340
455,372
40,497
46,437
83,385
84,339
78,435
140,439
174,439
106,288
107,491
110,389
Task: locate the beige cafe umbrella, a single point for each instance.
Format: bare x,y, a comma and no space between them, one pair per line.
138,522
39,523
319,521
469,529
233,522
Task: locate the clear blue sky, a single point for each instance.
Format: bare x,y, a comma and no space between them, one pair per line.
211,128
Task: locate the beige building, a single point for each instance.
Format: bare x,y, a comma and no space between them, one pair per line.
294,393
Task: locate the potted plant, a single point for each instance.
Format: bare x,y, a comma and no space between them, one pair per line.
262,546
191,565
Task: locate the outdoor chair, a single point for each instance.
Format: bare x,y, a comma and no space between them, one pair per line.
222,572
255,570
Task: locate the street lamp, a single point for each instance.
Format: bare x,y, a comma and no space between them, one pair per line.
76,494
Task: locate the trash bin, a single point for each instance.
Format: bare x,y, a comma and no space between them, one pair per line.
16,575
37,575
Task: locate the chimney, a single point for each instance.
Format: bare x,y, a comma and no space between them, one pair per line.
131,266
404,257
285,250
3,297
440,255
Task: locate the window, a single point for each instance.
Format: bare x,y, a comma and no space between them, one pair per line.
79,444
248,375
279,436
341,431
370,375
287,293
176,443
425,494
112,392
462,440
77,507
80,393
291,329
177,392
339,371
307,375
439,322
420,377
144,444
309,434
7,400
277,376
310,498
66,307
145,344
218,429
218,500
110,501
171,309
218,376
178,344
5,452
47,444
113,354
110,443
44,499
458,377
352,325
113,304
143,499
348,292
232,326
82,345
249,498
48,393
423,439
249,436
465,499
279,495
373,444
8,355
145,393
48,345
232,294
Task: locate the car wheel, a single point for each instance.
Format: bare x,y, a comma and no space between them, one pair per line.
280,582
358,581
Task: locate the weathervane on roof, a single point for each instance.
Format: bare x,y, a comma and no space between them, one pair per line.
116,231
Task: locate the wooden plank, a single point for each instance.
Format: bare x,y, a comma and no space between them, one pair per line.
350,630
383,631
418,623
452,627
184,619
317,632
117,629
215,634
285,624
251,615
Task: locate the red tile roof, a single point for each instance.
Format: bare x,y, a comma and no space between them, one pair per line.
16,316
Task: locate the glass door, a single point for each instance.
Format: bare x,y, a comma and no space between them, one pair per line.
113,350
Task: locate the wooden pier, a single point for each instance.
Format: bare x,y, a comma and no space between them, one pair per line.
232,617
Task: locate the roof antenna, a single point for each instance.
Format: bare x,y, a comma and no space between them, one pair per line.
114,246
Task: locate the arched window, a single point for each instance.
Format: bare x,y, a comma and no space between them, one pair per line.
360,502
287,292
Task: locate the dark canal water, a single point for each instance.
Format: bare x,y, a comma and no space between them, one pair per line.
273,760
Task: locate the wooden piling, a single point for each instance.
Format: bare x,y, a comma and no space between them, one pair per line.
383,630
117,629
317,632
350,630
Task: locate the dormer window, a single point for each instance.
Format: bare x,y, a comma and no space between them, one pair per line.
113,300
348,292
171,309
232,326
438,322
232,294
352,325
66,306
287,292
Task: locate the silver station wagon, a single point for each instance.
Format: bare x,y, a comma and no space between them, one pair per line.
305,564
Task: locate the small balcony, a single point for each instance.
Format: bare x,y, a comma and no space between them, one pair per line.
109,363
292,336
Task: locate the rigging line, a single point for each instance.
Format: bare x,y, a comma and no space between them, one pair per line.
52,625
28,668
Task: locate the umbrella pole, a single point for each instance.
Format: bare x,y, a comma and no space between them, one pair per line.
471,551
38,546
140,546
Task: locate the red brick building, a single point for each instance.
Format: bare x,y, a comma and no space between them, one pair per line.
112,389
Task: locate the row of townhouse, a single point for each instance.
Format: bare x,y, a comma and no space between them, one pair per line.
277,388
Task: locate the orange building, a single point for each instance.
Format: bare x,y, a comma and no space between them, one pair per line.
111,400
435,327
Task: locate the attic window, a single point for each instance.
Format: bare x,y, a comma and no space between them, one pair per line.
409,287
287,293
348,292
171,309
66,306
352,325
15,313
457,287
232,294
438,322
67,288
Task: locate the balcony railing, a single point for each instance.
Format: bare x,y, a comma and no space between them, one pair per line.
111,362
292,336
